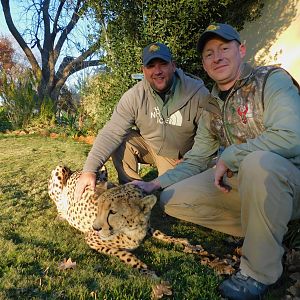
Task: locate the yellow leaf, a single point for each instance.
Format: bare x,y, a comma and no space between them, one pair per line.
67,264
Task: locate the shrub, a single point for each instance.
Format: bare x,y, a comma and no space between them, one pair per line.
4,122
100,96
19,99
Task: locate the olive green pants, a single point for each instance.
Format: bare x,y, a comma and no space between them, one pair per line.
265,196
134,150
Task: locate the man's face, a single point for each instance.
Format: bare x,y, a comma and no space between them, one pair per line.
222,61
159,74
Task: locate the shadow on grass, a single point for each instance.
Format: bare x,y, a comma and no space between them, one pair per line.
12,191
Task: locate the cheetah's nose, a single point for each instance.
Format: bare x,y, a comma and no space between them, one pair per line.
95,227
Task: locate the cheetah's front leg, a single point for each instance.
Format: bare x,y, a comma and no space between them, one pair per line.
107,247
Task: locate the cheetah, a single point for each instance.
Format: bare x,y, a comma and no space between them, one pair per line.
114,219
61,188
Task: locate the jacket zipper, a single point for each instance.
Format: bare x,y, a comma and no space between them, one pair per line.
223,117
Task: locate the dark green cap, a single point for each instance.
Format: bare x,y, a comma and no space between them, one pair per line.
156,50
224,31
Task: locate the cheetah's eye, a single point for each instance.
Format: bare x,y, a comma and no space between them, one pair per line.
112,212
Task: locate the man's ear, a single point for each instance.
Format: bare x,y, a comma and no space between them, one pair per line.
203,66
174,65
243,50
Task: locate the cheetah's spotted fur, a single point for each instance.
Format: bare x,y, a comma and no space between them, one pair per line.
115,220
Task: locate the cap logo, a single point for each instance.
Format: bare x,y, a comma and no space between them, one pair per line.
212,27
153,48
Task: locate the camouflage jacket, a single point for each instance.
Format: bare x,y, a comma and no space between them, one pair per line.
261,112
257,116
241,116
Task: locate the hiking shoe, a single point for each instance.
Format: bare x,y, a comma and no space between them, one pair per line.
241,287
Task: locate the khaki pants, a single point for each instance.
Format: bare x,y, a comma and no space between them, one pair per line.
265,196
134,150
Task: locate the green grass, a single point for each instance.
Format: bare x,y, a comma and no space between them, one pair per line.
33,242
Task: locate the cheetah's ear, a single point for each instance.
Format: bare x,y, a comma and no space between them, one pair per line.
102,187
147,203
109,185
105,185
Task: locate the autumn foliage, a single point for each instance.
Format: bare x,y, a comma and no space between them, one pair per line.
6,54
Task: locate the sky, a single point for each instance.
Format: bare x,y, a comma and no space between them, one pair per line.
17,13
4,31
3,28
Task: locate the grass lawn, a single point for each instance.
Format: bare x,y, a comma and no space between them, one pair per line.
33,242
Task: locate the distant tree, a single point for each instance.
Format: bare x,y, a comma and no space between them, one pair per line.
132,24
12,62
53,28
176,23
6,54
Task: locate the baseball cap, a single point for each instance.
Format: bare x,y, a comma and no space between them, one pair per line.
156,50
224,31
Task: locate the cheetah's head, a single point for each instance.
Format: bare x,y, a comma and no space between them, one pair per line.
124,209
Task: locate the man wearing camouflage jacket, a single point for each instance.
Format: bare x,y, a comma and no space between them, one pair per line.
253,126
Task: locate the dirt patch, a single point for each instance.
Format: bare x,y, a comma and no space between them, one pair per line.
44,132
85,139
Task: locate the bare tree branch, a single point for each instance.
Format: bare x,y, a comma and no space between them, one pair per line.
63,17
12,28
74,19
55,21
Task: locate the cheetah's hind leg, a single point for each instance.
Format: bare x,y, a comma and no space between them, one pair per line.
187,247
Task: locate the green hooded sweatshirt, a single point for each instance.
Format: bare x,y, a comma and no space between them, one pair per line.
168,127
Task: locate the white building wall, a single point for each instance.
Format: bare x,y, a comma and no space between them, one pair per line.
274,38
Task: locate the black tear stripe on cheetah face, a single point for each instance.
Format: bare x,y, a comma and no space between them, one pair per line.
115,220
122,222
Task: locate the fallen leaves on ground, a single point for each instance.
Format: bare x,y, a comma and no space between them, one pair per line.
292,263
67,264
222,266
161,289
229,264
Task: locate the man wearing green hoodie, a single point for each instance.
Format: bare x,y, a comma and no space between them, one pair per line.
253,123
164,108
